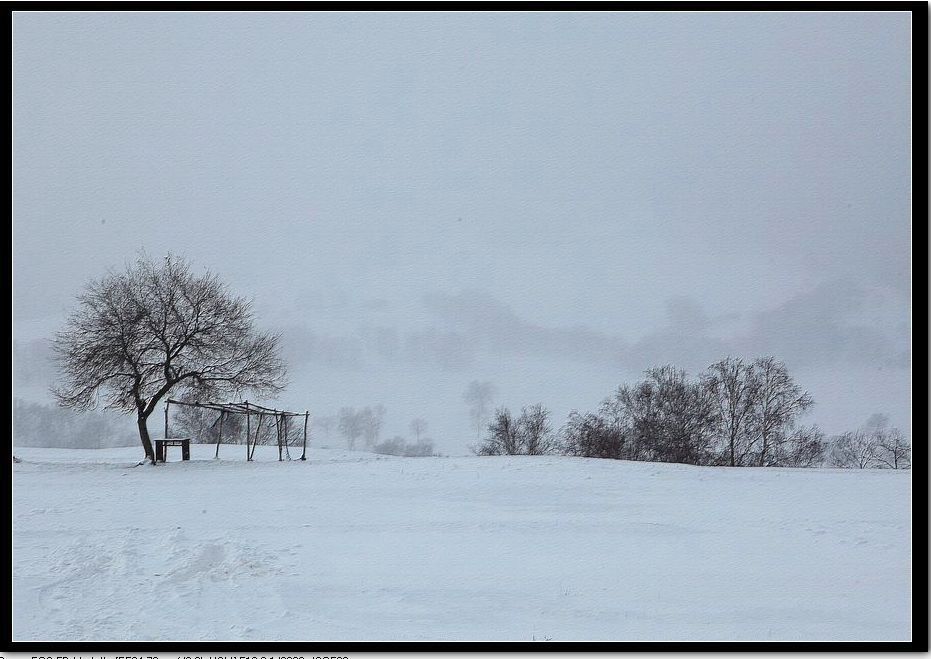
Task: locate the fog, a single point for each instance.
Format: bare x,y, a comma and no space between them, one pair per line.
552,202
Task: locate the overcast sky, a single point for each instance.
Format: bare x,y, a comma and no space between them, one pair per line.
549,201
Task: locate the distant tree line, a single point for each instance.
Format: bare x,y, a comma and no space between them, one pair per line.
361,427
874,446
365,423
37,424
422,446
736,413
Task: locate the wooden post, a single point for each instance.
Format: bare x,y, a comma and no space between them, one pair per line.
279,422
285,425
248,430
258,428
166,418
219,437
304,450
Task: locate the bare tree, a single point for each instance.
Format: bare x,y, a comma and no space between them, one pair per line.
779,401
875,445
723,418
479,396
634,415
616,428
804,447
856,449
893,450
734,386
535,434
503,436
529,434
350,424
672,418
372,419
418,428
592,436
156,327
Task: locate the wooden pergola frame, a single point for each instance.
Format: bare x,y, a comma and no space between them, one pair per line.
248,409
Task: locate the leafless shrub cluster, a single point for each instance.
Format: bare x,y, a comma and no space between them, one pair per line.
874,446
529,434
735,413
398,445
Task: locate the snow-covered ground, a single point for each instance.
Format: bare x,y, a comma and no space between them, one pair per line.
356,546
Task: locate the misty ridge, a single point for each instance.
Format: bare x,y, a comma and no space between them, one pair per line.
459,329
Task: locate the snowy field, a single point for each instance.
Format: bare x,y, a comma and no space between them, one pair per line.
355,546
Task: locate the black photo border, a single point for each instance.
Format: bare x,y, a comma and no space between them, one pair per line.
920,276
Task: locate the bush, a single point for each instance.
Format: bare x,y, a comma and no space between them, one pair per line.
397,445
529,434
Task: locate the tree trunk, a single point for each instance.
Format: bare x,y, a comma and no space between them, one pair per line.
144,436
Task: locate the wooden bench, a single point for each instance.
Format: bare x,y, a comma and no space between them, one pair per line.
162,444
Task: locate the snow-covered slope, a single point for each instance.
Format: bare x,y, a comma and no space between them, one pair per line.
363,547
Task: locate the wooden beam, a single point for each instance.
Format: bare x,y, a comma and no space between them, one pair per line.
248,430
219,436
